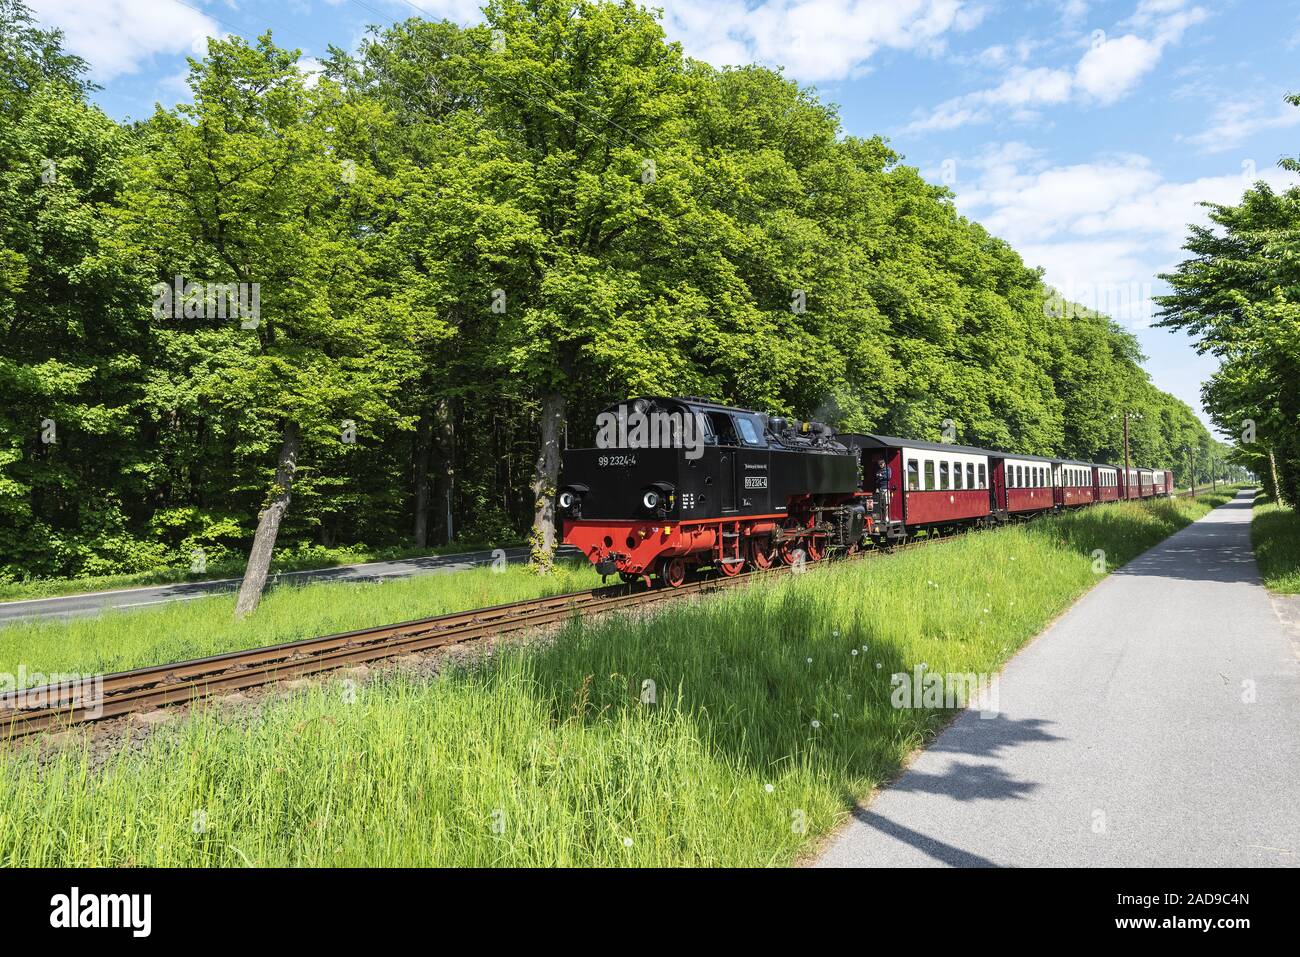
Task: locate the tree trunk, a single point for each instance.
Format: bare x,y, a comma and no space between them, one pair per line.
423,442
444,434
268,525
546,474
1277,489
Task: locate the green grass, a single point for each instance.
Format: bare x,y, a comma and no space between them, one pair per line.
548,756
1275,534
284,561
176,631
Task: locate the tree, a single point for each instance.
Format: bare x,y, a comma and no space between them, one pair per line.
245,186
1239,297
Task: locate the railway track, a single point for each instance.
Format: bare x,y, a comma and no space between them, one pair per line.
55,707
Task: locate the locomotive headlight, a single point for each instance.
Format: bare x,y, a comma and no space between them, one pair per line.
650,500
567,499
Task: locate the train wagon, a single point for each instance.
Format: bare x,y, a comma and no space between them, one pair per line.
1076,484
1128,483
1109,483
927,484
1029,486
1146,483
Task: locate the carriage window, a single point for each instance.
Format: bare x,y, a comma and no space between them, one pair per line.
913,475
983,476
956,475
970,474
1020,476
943,476
929,474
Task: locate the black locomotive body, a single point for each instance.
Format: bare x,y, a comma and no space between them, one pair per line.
679,483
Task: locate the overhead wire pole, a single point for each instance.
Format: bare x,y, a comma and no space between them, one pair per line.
1126,465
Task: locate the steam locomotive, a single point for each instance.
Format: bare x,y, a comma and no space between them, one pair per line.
677,485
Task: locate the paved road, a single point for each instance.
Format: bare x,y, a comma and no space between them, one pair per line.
93,603
1126,734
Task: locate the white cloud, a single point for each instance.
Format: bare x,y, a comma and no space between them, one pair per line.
121,36
1108,70
814,39
1113,223
1022,90
1237,120
1111,68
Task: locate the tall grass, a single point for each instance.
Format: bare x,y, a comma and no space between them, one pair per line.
1275,534
772,714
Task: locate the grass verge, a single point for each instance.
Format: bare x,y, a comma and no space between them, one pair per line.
176,631
1275,535
771,716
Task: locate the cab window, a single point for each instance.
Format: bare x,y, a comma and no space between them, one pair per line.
747,431
722,428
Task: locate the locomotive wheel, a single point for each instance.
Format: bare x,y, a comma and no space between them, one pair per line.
672,571
816,549
761,553
793,552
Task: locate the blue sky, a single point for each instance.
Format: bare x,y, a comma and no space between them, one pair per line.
1081,131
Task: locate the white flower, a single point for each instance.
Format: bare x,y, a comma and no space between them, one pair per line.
855,652
816,723
768,788
627,842
835,715
877,664
809,661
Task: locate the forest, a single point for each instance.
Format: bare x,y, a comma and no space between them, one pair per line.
372,302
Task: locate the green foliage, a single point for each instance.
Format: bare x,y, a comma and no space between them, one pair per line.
643,223
1239,297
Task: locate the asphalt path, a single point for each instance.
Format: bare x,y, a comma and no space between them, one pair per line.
94,603
1157,723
